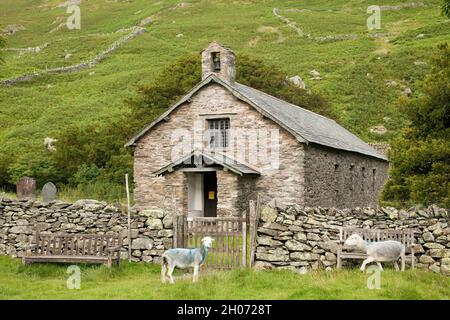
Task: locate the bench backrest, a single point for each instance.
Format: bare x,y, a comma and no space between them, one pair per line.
405,236
76,244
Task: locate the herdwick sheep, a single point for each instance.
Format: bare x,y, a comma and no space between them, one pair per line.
185,258
382,251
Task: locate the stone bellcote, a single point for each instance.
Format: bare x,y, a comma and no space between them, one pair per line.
220,61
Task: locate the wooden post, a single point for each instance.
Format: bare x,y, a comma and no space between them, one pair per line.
175,224
129,216
253,226
244,240
185,231
175,230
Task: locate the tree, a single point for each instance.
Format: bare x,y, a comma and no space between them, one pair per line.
420,155
446,8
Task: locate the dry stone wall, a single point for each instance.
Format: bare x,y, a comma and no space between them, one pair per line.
151,230
302,238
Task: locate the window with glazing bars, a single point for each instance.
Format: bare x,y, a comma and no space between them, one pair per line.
218,132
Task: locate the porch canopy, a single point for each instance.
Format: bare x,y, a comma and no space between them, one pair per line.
200,160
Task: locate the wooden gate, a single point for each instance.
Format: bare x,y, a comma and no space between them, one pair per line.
230,239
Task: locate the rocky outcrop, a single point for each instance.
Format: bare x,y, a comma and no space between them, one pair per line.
301,238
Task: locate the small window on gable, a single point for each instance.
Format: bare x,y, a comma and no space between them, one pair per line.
216,60
218,133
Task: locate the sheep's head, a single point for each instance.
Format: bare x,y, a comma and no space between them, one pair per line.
207,242
355,240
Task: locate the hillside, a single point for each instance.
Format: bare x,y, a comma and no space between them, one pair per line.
363,72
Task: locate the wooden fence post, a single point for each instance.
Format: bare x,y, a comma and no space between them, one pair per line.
244,240
129,216
175,230
185,231
253,226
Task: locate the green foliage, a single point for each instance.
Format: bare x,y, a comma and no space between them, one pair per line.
420,156
446,8
2,45
5,161
86,174
93,152
96,189
270,79
169,86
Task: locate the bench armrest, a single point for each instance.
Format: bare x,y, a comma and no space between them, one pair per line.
31,247
112,249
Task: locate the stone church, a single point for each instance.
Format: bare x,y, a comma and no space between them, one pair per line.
223,143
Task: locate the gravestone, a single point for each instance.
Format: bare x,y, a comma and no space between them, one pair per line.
26,188
49,192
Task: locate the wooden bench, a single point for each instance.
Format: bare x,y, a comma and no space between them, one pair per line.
74,248
405,236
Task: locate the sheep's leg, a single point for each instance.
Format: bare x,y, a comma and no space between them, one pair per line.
163,273
196,273
368,260
379,266
396,266
170,273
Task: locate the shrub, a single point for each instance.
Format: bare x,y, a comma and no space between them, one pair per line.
420,167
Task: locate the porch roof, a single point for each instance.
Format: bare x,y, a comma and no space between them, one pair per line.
201,159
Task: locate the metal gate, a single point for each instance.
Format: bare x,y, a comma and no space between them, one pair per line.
230,239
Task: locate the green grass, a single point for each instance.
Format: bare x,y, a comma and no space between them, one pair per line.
142,281
31,111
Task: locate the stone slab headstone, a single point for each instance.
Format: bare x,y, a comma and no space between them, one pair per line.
26,188
49,192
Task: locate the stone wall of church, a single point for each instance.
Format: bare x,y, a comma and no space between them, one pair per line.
342,179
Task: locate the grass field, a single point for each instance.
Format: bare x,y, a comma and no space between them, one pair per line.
142,281
45,106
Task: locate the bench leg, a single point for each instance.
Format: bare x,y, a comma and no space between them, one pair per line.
338,259
413,259
109,262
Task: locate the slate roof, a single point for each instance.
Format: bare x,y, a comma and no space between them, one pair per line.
197,158
306,126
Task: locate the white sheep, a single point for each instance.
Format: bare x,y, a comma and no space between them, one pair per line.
185,258
378,252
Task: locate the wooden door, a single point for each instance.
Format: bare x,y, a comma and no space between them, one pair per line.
210,194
